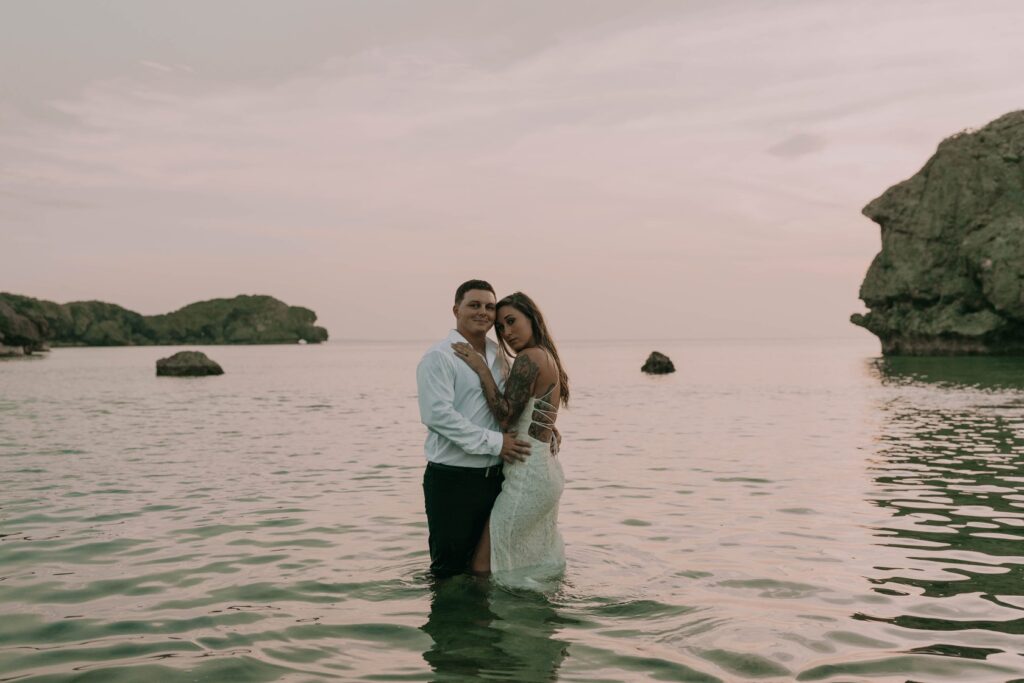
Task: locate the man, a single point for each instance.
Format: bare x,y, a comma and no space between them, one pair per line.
465,447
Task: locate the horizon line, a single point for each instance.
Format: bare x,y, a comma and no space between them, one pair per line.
618,339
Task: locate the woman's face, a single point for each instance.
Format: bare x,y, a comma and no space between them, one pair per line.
514,327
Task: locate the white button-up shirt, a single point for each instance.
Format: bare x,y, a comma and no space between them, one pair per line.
461,430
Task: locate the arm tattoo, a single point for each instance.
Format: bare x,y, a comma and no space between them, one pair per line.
518,389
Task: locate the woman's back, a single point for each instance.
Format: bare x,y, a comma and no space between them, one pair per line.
543,406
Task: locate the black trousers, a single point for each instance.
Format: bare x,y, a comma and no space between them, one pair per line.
458,502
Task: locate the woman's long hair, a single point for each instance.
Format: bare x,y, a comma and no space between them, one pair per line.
541,336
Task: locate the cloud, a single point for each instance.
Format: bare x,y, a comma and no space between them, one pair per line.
797,145
157,66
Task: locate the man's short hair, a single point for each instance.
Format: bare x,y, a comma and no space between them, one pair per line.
471,284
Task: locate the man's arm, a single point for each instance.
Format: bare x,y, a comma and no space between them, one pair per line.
435,380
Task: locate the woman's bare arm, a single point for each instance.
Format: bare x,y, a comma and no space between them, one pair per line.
518,389
506,407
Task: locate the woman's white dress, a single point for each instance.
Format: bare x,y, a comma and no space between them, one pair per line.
526,547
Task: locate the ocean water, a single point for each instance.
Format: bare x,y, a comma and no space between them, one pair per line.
775,510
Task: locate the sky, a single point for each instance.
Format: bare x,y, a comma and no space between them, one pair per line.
644,170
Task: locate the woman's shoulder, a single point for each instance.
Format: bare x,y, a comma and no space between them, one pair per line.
536,356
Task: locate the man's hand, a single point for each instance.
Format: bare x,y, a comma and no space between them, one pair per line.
512,449
556,440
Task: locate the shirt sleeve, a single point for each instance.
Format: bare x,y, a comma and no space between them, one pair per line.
435,381
502,372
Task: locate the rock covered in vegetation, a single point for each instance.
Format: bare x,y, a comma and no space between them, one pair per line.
950,276
19,335
187,364
241,320
658,364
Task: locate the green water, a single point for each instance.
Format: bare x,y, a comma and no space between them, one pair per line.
773,511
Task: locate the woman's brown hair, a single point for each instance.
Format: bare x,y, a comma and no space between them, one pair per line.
541,336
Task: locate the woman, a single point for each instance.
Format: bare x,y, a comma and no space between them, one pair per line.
521,538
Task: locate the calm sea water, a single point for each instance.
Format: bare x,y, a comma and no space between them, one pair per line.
774,511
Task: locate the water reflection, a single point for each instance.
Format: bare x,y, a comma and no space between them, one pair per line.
968,371
480,631
950,472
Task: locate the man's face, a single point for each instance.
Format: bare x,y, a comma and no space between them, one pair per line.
474,315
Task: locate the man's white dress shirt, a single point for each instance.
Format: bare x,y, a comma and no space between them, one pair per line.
461,430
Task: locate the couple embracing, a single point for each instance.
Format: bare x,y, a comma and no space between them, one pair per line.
492,483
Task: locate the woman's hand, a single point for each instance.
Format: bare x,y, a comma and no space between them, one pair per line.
470,356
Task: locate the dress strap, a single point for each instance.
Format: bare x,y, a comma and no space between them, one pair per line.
544,410
543,407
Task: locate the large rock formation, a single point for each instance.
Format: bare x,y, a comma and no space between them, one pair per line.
241,320
19,335
950,276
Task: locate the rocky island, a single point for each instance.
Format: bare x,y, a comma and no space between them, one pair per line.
949,279
28,325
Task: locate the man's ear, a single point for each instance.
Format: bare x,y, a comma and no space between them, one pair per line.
455,310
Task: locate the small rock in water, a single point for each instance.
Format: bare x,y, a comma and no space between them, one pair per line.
658,364
10,350
187,364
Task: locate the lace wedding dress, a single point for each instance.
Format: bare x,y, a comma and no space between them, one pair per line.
526,547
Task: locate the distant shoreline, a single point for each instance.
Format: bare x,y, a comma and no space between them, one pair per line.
29,325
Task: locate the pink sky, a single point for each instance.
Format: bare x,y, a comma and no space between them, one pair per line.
643,169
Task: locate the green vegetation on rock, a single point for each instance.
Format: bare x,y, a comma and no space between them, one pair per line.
950,277
33,323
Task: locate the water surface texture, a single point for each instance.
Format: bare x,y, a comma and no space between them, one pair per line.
773,511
